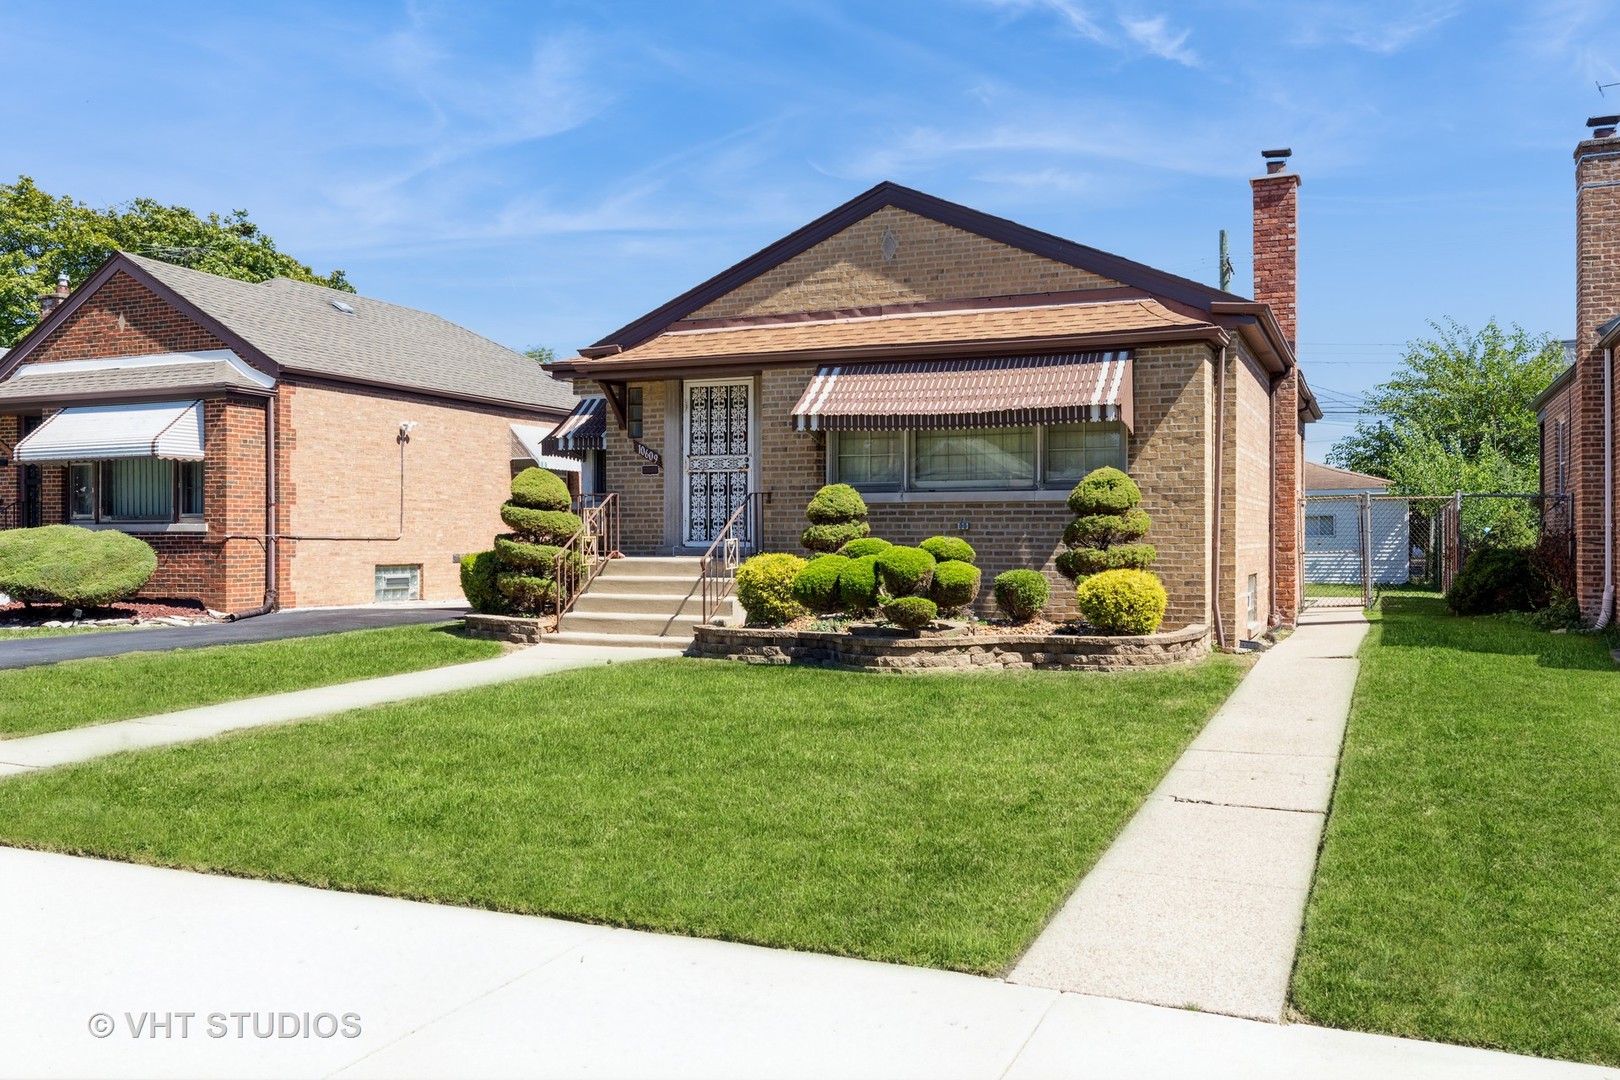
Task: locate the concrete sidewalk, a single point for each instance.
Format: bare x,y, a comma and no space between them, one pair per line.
1200,900
81,744
96,949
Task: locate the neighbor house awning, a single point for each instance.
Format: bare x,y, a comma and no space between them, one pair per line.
583,429
979,392
160,429
527,442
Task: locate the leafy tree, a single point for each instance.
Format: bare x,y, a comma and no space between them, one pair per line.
42,235
540,353
1457,415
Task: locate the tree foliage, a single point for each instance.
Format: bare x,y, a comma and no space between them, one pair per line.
42,235
1457,416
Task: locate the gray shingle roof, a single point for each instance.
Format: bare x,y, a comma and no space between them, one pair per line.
295,324
42,383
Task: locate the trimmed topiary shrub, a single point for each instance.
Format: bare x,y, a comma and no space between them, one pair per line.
765,588
816,586
910,612
956,585
833,538
949,549
1494,580
858,585
541,489
859,549
1107,527
1122,601
525,592
1021,594
478,585
74,567
905,571
837,516
541,526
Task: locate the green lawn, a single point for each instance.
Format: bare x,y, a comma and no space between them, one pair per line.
75,693
1469,883
928,819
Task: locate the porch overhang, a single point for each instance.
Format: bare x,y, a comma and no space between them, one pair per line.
528,444
153,429
583,429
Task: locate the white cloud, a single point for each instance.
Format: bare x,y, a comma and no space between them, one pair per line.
1156,35
1124,30
1379,28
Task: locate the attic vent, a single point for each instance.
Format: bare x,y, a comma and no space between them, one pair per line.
891,244
347,309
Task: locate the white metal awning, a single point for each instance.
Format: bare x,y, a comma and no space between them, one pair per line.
154,429
526,440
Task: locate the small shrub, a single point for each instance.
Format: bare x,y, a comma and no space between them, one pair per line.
1021,594
1497,579
527,594
956,585
74,567
816,586
1122,601
836,504
905,571
478,585
540,489
1104,491
1104,534
949,549
537,559
765,588
540,526
858,585
910,612
832,538
867,545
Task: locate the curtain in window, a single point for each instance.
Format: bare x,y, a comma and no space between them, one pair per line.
983,458
138,488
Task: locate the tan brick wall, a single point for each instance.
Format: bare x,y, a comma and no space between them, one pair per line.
933,262
1250,492
123,318
344,479
642,495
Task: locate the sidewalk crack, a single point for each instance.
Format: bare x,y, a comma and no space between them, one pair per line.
1244,806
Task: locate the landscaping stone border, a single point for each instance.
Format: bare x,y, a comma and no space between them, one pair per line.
516,629
1011,652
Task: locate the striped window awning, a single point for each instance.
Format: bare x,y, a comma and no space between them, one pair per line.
154,429
583,429
968,393
528,444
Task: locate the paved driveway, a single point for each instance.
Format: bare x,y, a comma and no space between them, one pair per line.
26,652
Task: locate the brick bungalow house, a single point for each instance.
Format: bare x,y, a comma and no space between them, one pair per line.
963,372
1579,452
279,444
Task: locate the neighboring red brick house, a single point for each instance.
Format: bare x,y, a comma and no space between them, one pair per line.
1580,457
963,372
279,444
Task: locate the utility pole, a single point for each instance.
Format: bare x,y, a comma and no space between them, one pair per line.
1226,265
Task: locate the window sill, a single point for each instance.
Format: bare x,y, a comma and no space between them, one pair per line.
145,527
966,495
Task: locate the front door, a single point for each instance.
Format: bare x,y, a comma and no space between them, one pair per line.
718,455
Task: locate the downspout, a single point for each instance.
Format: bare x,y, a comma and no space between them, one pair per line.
271,598
1220,481
1271,515
1606,612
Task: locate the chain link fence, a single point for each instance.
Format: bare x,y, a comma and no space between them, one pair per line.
1360,548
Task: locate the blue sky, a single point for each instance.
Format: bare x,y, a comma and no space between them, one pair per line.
544,172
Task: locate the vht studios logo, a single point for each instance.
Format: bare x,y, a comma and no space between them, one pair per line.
232,1025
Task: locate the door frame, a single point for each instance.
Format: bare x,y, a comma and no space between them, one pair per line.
686,441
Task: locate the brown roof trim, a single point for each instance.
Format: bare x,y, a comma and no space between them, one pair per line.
982,303
1281,350
680,367
338,382
1560,381
1126,271
116,262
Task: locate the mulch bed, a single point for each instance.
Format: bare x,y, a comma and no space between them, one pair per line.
975,628
134,612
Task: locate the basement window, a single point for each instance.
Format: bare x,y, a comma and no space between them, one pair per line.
394,583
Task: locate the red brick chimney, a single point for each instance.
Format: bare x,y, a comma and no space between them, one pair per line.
1597,300
1276,282
51,301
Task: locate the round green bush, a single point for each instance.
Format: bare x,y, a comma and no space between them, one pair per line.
836,504
1122,601
478,573
949,549
1104,530
541,489
816,586
540,526
910,612
905,571
858,586
833,538
74,567
527,595
1021,594
956,585
765,588
1104,491
867,545
1494,580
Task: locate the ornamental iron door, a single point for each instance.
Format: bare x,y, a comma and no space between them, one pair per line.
717,457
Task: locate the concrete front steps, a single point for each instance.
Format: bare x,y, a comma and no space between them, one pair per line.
648,602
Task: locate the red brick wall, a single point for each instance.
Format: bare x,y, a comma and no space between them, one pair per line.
123,318
1276,247
1597,291
1276,282
1557,440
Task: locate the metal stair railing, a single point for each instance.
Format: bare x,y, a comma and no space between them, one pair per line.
737,539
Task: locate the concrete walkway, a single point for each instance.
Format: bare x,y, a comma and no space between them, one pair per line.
1200,900
81,744
94,950
29,651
